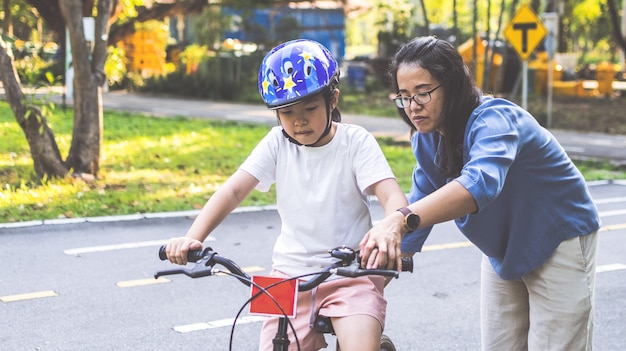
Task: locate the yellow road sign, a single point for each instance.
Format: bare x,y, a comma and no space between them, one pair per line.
525,32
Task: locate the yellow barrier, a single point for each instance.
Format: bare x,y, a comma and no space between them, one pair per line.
605,74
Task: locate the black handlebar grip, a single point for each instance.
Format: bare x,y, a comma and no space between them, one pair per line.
192,255
162,253
407,264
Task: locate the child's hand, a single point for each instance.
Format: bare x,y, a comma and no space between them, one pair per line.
177,249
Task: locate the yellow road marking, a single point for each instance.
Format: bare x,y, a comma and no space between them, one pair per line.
28,296
461,244
456,245
161,280
608,228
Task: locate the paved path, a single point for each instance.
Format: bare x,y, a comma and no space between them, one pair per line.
578,145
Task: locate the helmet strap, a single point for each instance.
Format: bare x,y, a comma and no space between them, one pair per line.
290,138
329,124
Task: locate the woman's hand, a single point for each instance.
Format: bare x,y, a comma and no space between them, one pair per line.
380,247
177,249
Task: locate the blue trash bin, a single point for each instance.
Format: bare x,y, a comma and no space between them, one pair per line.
356,76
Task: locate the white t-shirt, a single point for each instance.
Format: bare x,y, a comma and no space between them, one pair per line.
321,193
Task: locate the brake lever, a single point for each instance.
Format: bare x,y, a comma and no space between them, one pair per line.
202,268
197,271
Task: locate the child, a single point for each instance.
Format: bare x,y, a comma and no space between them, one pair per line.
324,171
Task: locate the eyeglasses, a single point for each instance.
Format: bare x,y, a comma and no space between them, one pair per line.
420,98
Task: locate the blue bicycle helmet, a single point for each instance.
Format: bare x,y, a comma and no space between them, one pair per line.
295,70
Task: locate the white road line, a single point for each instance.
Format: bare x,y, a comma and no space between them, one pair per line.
134,245
610,267
141,282
612,213
221,323
609,200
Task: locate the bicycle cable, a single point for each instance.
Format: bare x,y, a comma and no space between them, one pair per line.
262,290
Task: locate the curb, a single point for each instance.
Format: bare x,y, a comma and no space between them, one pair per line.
122,218
193,213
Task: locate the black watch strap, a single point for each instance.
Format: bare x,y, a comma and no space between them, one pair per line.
405,211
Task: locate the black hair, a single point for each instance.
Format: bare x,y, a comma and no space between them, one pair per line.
461,94
328,95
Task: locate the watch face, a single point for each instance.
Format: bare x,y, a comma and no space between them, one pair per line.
412,221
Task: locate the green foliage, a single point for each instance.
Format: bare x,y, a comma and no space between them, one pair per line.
594,170
224,76
41,103
31,70
194,54
209,26
393,23
129,9
115,67
377,102
24,19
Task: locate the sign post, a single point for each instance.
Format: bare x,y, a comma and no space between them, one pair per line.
551,20
524,33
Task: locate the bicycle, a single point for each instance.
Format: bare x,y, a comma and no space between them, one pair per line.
347,265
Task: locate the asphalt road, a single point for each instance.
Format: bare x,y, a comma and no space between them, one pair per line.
86,284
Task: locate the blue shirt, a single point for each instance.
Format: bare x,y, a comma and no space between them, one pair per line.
530,196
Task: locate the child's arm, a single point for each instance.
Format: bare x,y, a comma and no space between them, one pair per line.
222,203
389,195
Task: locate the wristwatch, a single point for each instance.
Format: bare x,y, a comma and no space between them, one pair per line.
411,220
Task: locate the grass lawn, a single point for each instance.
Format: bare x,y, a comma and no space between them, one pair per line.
152,165
147,165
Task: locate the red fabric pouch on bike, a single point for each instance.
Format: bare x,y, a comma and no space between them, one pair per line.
278,292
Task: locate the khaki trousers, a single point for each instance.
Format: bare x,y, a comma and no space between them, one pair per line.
550,308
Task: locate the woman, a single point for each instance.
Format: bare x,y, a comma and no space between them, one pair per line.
511,189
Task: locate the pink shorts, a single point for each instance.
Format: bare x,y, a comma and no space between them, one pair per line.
336,298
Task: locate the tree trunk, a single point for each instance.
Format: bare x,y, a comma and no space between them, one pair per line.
614,13
43,148
7,23
88,66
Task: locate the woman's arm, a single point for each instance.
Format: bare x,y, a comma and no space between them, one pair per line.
391,198
222,203
383,240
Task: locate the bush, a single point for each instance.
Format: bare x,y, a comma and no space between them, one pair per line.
218,77
32,69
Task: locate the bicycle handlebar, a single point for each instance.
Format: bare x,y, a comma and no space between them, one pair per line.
348,265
